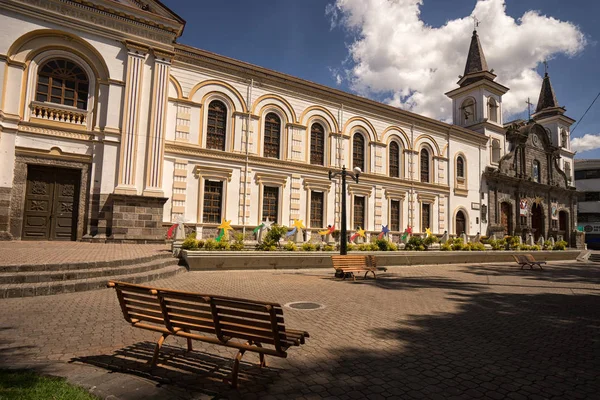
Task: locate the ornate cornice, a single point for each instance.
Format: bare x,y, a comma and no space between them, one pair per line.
100,15
31,128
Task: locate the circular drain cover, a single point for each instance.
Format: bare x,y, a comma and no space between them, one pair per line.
305,305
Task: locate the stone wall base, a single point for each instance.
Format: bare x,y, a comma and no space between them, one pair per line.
5,193
136,218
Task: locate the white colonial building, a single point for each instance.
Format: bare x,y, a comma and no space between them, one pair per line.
110,129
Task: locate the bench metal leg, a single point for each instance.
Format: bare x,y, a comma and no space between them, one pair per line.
367,273
238,358
157,348
189,341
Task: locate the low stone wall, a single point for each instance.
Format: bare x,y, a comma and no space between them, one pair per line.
5,193
137,218
236,260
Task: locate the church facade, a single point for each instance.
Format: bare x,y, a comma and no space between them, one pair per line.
111,130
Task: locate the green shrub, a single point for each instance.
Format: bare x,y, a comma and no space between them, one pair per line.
222,245
271,240
328,247
560,245
189,244
382,244
524,247
497,244
200,243
420,248
474,247
547,245
364,247
429,240
238,243
309,247
351,247
210,244
535,247
513,242
414,243
446,247
457,244
393,247
290,246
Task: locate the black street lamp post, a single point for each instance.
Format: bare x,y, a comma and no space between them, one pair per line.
354,175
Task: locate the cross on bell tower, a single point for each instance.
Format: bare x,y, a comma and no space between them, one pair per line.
529,105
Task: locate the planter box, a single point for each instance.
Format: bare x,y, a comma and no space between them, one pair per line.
236,260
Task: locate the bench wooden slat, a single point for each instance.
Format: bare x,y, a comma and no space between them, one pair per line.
247,314
146,317
190,305
240,321
193,327
143,305
240,304
188,312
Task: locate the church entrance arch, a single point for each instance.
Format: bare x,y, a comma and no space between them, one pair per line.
506,217
537,220
461,223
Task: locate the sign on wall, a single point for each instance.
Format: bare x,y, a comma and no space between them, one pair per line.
523,207
589,227
554,210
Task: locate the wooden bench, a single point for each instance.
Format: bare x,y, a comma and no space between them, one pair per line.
243,324
527,260
349,265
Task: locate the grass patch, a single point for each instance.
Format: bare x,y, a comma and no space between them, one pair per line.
27,385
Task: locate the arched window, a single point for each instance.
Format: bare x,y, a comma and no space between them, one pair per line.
358,151
495,150
461,223
62,82
394,160
564,139
424,165
272,135
536,171
492,110
460,167
317,144
216,125
467,112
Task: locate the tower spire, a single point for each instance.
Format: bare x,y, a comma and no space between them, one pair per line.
547,97
476,59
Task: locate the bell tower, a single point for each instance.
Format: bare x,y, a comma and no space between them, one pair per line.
477,102
551,116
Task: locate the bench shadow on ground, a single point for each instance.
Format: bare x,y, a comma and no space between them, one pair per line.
10,351
556,272
390,281
196,371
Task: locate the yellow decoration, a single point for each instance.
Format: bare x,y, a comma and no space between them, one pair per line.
428,232
361,232
226,226
298,224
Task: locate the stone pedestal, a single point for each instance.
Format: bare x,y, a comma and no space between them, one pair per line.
137,218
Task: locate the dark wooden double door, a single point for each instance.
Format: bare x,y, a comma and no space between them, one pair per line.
51,203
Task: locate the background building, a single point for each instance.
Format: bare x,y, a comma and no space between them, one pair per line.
111,130
587,181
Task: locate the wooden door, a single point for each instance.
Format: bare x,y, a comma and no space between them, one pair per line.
51,204
506,218
460,223
537,220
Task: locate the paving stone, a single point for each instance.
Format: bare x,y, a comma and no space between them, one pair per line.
416,332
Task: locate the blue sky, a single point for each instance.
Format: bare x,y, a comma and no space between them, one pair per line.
297,38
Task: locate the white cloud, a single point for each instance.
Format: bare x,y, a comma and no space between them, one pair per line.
586,143
395,54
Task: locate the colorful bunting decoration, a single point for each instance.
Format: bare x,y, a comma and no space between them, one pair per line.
224,227
359,232
290,233
298,224
428,232
384,230
327,231
258,228
407,232
171,230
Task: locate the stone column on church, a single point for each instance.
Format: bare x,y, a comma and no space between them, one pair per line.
156,132
135,61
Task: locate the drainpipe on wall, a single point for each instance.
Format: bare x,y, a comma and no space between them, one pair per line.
412,177
480,190
248,118
450,171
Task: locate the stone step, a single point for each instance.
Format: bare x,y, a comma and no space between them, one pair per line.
594,257
82,273
83,265
80,285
